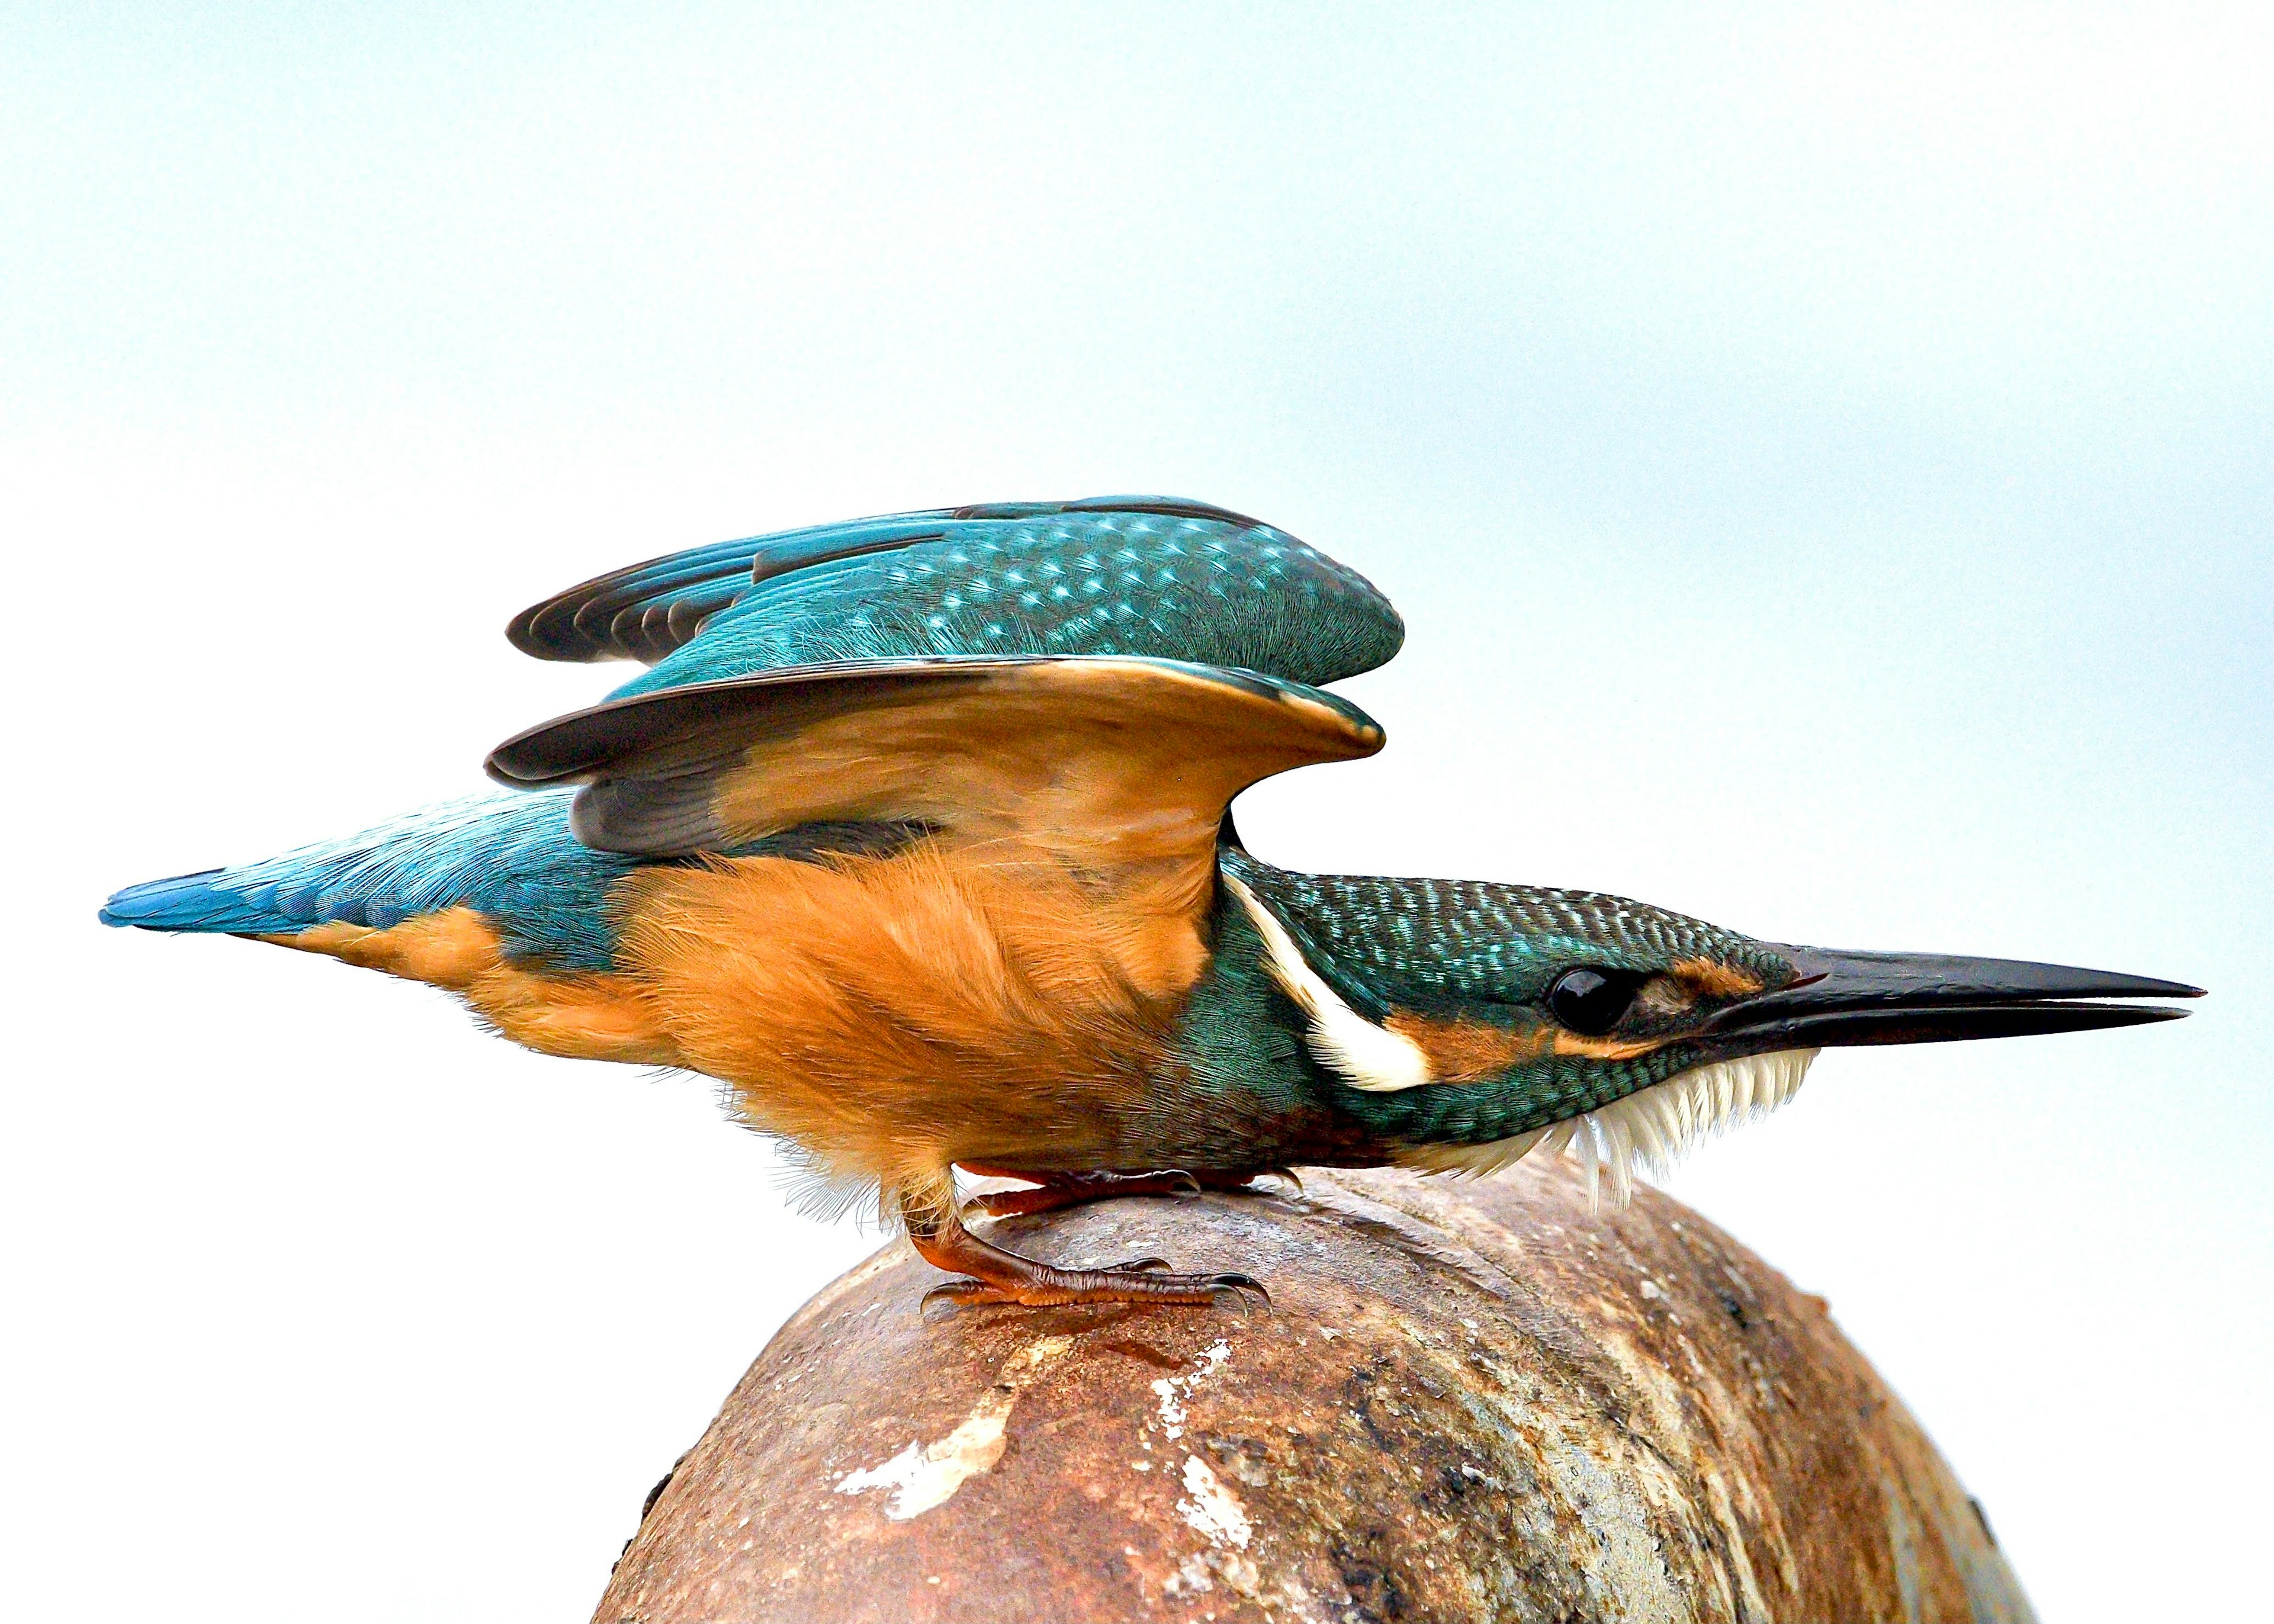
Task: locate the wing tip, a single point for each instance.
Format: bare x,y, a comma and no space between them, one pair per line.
525,633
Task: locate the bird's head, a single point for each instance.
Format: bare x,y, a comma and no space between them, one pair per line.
1479,1019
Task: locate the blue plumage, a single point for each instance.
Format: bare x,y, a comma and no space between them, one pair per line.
510,856
645,611
1124,575
1203,590
202,901
1387,944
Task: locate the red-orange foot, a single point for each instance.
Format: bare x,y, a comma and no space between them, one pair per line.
990,1275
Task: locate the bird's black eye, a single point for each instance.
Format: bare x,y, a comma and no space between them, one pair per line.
1590,1001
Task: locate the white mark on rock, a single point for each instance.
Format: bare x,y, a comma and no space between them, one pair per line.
922,1475
1651,1289
1214,1509
1172,1391
1172,1413
899,1474
1190,1579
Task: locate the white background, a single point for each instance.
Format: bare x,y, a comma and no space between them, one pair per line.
1825,459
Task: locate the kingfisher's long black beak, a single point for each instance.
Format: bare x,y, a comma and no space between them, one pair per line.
1842,998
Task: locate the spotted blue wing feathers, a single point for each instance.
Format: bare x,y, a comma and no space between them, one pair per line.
644,612
1151,577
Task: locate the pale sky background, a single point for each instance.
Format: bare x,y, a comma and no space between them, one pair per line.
1824,458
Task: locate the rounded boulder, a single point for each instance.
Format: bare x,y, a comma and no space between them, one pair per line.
1466,1401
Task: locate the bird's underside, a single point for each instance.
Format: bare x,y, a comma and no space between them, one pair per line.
915,833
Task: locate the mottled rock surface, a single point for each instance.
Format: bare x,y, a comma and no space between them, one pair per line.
1467,1401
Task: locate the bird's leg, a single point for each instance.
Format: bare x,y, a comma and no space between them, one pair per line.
1059,1189
990,1275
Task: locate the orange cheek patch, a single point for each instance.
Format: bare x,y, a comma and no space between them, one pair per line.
1605,1049
1461,1051
1708,978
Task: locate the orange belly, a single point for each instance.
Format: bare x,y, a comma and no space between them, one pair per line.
891,1014
894,1014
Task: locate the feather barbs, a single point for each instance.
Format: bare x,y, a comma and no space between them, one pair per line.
895,1014
578,1015
1651,1129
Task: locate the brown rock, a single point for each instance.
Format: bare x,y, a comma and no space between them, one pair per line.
1466,1402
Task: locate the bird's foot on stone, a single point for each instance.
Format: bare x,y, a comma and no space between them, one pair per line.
1078,1287
987,1274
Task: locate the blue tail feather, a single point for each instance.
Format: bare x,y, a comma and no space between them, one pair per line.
510,857
193,902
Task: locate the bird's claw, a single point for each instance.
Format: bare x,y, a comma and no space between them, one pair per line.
955,1294
1245,1291
1142,1281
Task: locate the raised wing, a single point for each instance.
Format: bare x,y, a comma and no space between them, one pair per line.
1120,768
1147,576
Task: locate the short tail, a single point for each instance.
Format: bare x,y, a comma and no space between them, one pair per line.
200,902
511,857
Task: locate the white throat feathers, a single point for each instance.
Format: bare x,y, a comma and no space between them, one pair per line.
1651,1129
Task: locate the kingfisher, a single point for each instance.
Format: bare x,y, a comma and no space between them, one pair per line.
916,833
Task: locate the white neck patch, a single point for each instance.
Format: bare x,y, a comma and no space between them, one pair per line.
1362,1054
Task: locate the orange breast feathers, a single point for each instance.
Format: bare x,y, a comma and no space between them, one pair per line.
891,1014
895,1013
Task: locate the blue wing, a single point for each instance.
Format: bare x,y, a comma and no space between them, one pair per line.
1142,577
1149,576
